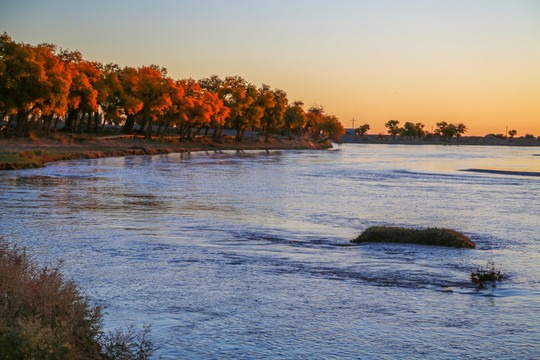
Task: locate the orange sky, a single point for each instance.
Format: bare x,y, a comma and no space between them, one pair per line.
475,62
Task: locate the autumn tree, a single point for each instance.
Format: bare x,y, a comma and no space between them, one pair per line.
82,99
274,103
294,118
322,126
20,83
331,128
129,101
314,119
252,114
55,87
111,95
393,128
217,110
151,89
148,96
215,85
239,97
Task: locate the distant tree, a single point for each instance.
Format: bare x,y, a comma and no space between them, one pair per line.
393,128
408,130
512,133
460,129
362,130
412,131
447,131
419,130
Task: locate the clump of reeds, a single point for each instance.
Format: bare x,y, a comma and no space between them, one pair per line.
429,236
44,316
485,274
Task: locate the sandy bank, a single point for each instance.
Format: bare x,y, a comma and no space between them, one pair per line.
19,153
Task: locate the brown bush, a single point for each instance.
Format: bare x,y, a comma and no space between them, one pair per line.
44,316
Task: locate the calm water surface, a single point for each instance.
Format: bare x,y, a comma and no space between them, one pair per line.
247,255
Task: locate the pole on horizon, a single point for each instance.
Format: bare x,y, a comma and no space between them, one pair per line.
353,124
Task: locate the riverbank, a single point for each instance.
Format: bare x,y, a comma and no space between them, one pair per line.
17,153
488,140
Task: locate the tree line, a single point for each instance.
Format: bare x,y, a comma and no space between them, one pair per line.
416,130
44,88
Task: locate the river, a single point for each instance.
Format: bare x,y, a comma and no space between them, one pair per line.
246,255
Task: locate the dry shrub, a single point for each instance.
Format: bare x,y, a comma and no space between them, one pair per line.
44,316
484,274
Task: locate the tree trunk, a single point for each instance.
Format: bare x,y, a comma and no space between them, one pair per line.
48,124
266,134
28,125
10,120
143,128
80,122
21,121
71,117
239,134
217,132
98,117
188,133
165,129
158,132
89,122
128,126
148,135
55,124
198,131
102,127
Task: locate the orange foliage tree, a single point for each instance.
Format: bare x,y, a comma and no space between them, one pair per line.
40,86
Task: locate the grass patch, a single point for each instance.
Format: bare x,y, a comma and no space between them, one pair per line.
44,316
486,274
429,236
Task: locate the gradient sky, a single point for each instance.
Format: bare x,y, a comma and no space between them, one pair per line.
470,61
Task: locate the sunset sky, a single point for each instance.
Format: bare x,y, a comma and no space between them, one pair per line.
473,61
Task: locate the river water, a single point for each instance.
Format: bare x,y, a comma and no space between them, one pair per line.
247,255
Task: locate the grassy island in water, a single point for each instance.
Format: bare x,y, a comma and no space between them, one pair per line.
429,236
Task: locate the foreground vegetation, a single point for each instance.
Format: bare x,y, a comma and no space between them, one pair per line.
44,89
429,236
44,316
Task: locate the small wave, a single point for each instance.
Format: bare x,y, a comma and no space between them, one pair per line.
504,172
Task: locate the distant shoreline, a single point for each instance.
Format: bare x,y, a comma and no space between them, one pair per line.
17,153
464,140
